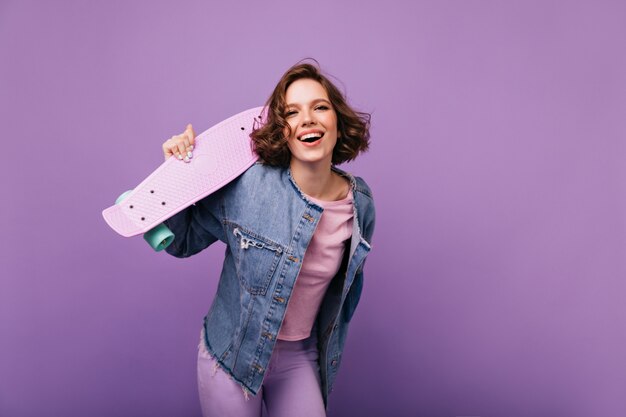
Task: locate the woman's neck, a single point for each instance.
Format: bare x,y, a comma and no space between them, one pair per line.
319,181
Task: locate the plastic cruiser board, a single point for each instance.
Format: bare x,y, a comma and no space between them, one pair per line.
220,155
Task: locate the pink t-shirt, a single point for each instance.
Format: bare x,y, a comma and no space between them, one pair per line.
320,264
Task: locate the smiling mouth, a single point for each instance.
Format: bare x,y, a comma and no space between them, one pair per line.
311,138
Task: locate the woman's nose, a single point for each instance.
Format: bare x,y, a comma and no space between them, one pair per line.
307,118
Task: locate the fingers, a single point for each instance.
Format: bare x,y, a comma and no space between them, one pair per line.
180,146
168,148
181,149
190,135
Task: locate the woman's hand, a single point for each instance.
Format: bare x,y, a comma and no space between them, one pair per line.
181,146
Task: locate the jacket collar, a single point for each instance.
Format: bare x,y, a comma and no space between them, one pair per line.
344,174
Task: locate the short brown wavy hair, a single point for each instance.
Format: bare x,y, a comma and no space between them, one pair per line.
269,140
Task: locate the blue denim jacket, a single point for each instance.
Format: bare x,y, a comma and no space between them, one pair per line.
266,223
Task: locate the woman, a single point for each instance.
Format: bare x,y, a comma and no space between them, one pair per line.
292,215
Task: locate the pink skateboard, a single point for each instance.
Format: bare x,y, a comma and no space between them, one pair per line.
220,154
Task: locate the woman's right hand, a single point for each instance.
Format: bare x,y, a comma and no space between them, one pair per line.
181,146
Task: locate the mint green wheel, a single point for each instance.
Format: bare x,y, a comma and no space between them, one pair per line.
123,196
159,238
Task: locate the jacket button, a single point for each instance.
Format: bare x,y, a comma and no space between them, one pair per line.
333,363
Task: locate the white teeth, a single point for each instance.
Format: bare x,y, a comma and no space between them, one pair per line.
310,135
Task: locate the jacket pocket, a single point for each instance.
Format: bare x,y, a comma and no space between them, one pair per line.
256,258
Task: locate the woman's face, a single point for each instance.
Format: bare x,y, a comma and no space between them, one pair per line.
313,122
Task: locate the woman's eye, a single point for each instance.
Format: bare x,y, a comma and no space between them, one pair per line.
292,112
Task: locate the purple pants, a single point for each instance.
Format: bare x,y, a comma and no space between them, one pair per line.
291,385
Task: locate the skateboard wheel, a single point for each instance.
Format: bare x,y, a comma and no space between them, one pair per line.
122,196
159,238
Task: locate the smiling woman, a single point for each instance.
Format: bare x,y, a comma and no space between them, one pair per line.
312,127
298,231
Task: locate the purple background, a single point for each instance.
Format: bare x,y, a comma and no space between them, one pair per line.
496,284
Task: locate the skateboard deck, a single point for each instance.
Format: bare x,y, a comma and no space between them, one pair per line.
220,155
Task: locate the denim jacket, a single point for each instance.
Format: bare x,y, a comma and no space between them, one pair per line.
267,223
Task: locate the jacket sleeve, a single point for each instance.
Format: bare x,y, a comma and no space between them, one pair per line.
196,227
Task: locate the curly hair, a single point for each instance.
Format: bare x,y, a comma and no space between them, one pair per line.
269,139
